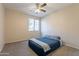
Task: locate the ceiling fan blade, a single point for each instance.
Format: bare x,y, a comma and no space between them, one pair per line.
43,10
37,5
43,5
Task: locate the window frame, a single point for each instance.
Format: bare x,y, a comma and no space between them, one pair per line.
34,26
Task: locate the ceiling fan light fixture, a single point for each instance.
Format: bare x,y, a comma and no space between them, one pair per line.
40,7
37,11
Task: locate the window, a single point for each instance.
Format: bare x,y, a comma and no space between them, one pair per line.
36,25
33,25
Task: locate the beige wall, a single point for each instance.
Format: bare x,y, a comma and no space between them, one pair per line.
64,23
1,27
16,26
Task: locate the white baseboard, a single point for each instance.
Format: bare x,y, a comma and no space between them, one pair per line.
71,45
16,41
2,48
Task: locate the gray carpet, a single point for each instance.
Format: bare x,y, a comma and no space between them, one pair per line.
22,49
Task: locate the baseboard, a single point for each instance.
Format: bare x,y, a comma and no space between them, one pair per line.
71,45
2,48
16,41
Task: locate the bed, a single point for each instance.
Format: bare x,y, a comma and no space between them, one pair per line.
53,41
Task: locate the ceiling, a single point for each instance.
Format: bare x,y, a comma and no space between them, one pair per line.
29,8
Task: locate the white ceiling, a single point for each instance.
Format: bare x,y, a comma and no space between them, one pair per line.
29,8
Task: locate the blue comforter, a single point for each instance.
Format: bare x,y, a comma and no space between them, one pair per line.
53,43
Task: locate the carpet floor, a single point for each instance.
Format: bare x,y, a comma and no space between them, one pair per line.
22,49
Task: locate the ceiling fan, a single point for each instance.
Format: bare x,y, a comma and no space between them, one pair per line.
40,7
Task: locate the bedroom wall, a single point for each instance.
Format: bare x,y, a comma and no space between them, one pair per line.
16,26
2,16
63,23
